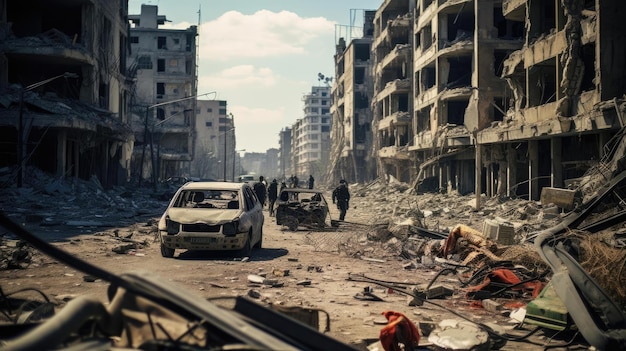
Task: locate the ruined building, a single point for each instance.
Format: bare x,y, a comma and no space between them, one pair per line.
163,64
215,141
63,89
567,84
352,150
486,96
392,104
310,138
458,58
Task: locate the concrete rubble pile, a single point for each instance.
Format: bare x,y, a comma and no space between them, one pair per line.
72,205
492,255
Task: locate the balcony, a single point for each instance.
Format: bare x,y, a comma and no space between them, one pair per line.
395,152
396,119
398,86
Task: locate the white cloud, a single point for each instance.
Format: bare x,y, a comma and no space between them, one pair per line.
239,76
256,116
262,34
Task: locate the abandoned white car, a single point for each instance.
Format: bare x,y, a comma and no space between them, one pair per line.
212,216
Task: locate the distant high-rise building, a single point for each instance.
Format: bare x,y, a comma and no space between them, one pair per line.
310,141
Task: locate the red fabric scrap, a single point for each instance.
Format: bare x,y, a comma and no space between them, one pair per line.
503,275
399,329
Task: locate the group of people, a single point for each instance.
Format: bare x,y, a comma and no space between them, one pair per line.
264,191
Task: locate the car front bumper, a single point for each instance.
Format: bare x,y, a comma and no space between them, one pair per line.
205,241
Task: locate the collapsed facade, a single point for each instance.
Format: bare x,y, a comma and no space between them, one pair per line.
63,89
351,154
494,97
164,64
391,103
568,84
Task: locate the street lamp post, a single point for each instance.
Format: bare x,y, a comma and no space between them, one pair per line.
21,144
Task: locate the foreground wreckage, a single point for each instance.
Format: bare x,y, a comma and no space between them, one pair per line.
149,314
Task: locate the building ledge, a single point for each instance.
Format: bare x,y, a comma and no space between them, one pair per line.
395,152
402,86
397,118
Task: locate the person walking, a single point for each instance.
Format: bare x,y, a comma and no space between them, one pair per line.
260,190
296,181
341,196
311,181
272,194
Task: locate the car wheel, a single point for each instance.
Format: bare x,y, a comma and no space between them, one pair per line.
260,243
246,250
167,252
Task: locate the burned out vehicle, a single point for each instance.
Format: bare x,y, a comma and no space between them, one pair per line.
301,207
145,312
212,216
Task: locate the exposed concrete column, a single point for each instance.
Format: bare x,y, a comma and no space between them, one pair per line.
441,179
61,153
75,150
557,166
511,168
479,165
533,170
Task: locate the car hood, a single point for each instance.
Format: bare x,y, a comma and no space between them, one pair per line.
212,217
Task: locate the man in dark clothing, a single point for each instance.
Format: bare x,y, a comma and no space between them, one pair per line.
311,181
260,190
296,181
341,196
272,194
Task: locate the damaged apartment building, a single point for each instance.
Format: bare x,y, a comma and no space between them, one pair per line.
495,97
351,156
568,83
163,64
63,90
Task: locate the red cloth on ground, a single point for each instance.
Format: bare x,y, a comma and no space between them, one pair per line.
399,330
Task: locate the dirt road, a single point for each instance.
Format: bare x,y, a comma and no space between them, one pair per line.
308,268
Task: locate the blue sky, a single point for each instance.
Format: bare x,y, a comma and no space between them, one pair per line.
262,56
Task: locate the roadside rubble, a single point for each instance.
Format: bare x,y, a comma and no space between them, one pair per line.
493,254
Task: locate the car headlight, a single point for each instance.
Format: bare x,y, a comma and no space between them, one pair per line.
172,226
230,228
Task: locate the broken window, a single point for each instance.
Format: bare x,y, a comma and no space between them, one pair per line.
507,29
162,43
359,75
160,87
362,52
460,72
542,83
160,113
134,40
456,112
144,62
161,65
189,42
103,95
427,37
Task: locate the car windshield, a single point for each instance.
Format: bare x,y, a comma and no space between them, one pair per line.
219,199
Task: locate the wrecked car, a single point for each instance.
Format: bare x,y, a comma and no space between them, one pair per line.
212,216
301,207
144,312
